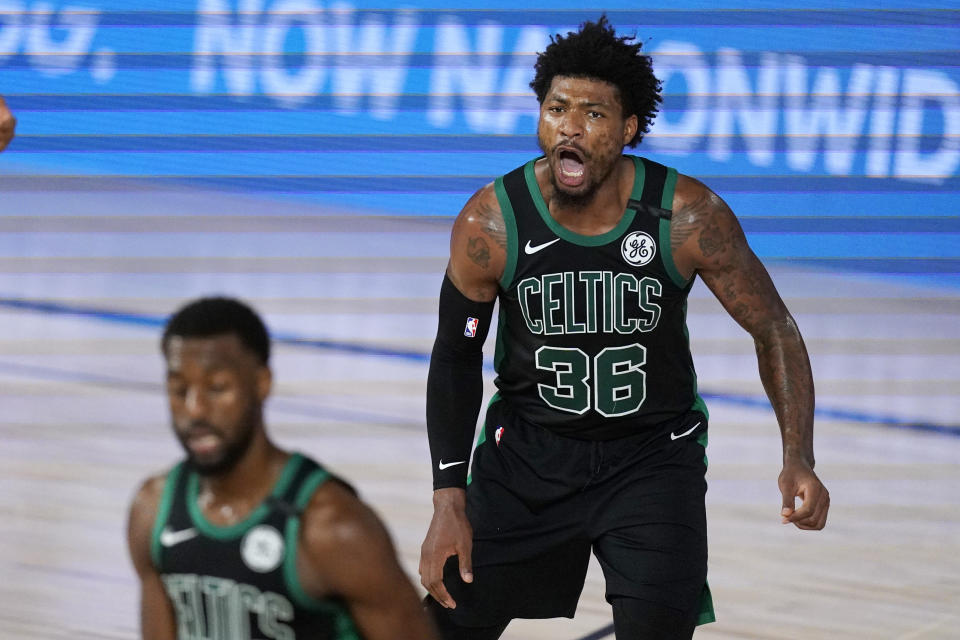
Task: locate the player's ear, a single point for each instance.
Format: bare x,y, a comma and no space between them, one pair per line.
630,128
264,382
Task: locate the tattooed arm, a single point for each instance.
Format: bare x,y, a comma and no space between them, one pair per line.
707,239
455,383
478,247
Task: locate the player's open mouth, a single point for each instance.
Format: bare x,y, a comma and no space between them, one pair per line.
570,167
203,442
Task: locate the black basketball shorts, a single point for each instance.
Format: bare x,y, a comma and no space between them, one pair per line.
539,503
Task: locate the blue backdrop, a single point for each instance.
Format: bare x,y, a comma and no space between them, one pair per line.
832,128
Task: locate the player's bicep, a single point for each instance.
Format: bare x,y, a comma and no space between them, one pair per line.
140,521
157,620
352,557
388,608
729,267
744,288
478,247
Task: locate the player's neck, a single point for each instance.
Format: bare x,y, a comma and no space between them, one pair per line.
600,213
229,497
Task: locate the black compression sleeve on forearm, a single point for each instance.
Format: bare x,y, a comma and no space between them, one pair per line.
455,384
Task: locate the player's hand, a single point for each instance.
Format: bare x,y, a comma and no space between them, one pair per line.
449,534
797,480
7,124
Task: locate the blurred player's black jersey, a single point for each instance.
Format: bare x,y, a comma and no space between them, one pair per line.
240,582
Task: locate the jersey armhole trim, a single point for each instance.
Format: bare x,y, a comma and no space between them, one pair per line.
305,492
482,436
343,623
639,178
163,513
669,186
510,229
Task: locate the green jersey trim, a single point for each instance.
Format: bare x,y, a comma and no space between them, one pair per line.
706,614
343,623
500,350
256,516
577,238
510,227
698,402
510,268
305,492
163,512
292,537
482,436
703,440
666,251
639,178
669,186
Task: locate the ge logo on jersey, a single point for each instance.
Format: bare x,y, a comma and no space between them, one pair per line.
638,248
262,548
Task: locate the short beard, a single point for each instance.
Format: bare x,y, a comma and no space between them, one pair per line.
232,452
572,200
568,200
231,455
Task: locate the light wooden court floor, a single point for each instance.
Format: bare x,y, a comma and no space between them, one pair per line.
353,301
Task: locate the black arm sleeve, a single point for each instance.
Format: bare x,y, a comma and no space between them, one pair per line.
455,384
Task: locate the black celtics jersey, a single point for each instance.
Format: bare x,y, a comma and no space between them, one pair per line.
592,340
240,582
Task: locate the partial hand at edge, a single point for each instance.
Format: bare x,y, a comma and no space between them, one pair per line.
449,534
7,125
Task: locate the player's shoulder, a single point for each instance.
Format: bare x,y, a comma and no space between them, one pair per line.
482,209
336,517
478,243
697,209
693,198
704,232
344,548
148,495
142,516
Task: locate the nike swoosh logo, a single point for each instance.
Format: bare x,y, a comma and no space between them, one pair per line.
531,249
170,538
674,436
450,464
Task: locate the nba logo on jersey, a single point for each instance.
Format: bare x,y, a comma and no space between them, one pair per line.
471,329
498,434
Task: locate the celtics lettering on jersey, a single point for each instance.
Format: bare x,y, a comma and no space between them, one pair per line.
614,382
548,302
211,608
239,582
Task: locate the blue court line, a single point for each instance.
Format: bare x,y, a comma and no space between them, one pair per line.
146,320
139,386
754,402
83,377
833,413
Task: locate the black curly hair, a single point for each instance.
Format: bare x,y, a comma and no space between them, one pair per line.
215,316
595,51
